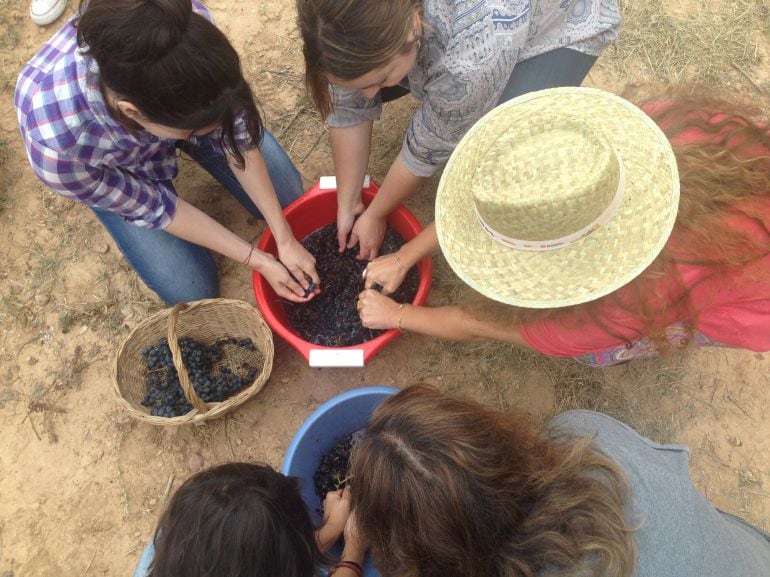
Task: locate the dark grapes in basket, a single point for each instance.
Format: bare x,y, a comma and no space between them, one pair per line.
212,380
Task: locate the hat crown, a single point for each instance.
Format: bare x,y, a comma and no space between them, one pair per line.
557,180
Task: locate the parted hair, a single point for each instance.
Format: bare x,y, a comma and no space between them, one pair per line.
722,149
349,38
444,487
173,64
236,520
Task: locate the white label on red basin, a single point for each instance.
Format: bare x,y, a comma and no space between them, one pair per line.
337,358
330,182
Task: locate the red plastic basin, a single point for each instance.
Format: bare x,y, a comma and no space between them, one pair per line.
314,209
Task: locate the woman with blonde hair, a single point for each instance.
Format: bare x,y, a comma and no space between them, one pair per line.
592,230
458,58
445,487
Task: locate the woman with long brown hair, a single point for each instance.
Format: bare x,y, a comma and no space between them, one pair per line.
566,258
444,487
459,59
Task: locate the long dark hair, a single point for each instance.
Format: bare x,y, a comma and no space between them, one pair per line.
444,487
236,520
175,66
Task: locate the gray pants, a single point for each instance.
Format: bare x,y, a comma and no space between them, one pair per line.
560,67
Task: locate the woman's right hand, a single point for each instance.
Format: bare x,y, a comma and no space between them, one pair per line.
388,271
378,311
346,218
282,282
336,512
355,545
368,232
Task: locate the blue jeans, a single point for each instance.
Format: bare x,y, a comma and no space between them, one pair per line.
143,567
180,271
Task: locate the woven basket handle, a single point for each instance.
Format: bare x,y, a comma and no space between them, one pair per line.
176,354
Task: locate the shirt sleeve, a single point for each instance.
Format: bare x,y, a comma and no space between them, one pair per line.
743,324
144,203
452,104
201,9
588,26
578,332
351,107
565,338
241,133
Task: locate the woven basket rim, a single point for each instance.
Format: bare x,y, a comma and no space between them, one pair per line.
263,341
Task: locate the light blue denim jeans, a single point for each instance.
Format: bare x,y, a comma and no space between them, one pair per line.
180,271
143,567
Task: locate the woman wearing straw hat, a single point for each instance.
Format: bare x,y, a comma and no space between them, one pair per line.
564,225
455,489
458,58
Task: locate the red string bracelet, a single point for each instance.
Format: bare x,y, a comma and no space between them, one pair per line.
352,565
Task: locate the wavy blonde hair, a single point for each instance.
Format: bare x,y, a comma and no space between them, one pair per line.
444,487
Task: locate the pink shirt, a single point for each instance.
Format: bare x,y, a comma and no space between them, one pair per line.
732,309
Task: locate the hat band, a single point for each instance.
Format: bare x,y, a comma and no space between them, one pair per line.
542,245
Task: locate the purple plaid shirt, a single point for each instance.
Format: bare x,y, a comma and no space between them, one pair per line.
77,148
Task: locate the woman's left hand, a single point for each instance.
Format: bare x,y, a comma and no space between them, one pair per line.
300,263
377,311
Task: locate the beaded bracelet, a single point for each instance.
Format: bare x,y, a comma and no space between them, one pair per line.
352,565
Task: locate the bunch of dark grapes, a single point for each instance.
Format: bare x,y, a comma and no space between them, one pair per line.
164,392
332,471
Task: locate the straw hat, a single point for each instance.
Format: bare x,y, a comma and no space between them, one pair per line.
557,198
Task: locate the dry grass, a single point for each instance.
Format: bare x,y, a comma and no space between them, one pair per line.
713,43
10,24
5,177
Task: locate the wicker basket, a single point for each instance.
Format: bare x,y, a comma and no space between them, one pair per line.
206,321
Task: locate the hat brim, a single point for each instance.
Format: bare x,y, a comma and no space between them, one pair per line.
595,266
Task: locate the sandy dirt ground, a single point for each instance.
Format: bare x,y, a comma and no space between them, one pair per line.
82,484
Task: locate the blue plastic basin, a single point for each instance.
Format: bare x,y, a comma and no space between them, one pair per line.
334,419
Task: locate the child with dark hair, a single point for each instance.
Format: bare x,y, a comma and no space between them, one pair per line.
103,108
241,519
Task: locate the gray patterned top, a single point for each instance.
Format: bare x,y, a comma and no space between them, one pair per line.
468,52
